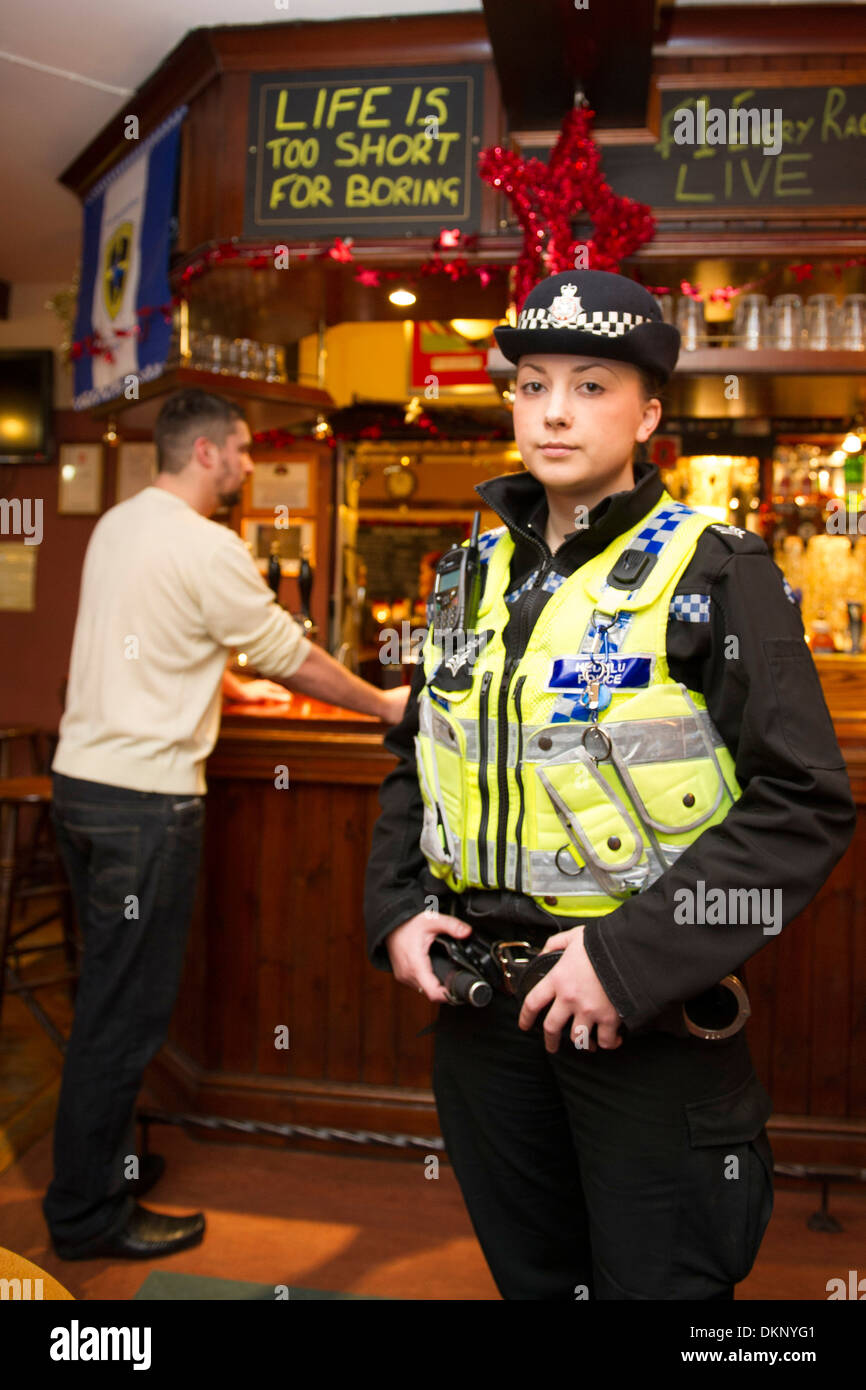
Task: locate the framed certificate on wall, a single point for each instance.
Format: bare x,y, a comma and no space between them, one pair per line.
286,484
136,469
79,483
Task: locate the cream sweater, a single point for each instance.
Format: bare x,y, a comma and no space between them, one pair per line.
165,595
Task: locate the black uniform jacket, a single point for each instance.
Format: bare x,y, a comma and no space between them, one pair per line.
791,825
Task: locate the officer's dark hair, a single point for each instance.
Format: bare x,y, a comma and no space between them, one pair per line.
184,416
652,383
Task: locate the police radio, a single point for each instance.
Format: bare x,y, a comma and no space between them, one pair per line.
457,593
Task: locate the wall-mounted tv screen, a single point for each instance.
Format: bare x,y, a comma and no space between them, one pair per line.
26,398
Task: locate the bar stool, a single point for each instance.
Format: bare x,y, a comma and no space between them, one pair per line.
27,733
24,878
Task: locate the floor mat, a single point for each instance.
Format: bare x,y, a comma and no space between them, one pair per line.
167,1285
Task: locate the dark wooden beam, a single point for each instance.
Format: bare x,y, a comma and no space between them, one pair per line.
545,52
5,289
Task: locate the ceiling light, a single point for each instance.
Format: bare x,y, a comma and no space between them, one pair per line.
474,330
402,298
851,443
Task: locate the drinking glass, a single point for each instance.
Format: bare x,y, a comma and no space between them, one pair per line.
751,321
690,322
275,362
219,350
787,320
666,304
852,323
256,361
821,321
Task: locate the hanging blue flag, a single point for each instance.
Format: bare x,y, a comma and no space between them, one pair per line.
124,297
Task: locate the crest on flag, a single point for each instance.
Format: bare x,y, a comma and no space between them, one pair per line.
116,267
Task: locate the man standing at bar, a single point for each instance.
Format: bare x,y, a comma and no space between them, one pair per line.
165,595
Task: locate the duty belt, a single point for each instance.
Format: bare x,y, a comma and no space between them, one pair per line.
472,967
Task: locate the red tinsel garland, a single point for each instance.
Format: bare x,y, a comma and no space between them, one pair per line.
546,198
801,270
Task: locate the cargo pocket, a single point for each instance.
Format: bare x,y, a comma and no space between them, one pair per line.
726,1189
579,801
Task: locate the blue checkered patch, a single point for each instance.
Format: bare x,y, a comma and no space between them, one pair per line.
487,540
690,608
789,592
663,524
551,583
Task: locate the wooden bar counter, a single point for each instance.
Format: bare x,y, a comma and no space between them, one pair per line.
277,943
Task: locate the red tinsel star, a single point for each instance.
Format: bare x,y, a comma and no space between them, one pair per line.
691,291
449,239
546,197
340,251
368,277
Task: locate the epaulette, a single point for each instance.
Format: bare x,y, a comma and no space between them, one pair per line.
738,541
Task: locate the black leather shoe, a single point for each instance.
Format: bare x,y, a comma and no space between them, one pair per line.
151,1169
147,1235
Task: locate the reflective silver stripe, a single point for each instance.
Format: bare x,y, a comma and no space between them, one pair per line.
471,736
510,865
426,718
636,740
545,877
473,878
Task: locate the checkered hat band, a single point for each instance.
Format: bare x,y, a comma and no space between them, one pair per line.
690,608
612,325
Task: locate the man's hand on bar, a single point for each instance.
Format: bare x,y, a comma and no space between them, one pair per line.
325,679
254,692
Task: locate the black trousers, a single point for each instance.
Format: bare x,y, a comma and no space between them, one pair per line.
132,861
639,1173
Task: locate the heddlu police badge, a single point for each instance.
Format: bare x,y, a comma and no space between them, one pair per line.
586,681
566,308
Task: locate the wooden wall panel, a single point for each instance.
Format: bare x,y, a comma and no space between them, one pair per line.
278,938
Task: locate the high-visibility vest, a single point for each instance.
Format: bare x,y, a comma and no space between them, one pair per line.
520,791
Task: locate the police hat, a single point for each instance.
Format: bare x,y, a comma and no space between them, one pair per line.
593,313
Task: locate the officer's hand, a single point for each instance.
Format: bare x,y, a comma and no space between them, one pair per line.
409,949
574,988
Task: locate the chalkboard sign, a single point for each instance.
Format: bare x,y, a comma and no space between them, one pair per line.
346,153
818,156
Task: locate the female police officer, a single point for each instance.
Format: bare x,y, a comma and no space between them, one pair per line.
627,762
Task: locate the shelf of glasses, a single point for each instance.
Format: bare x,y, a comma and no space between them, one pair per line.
711,361
290,393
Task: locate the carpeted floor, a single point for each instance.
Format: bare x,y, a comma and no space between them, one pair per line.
330,1225
319,1225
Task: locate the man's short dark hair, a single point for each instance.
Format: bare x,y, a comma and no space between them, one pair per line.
183,417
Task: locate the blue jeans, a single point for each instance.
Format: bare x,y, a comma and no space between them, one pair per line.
132,860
